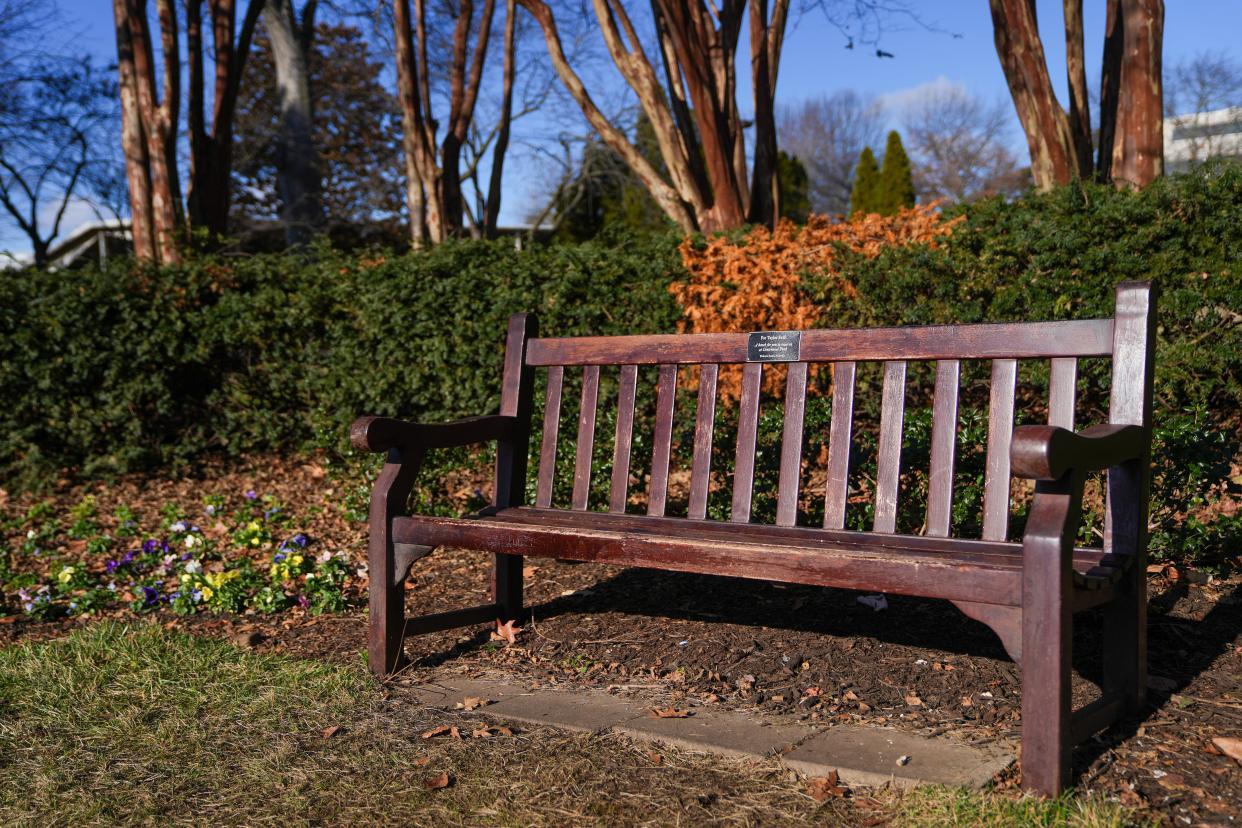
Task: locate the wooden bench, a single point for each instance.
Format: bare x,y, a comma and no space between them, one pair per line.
1028,591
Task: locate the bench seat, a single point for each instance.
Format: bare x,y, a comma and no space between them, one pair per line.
949,568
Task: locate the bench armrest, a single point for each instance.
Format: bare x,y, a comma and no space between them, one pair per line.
384,433
1042,452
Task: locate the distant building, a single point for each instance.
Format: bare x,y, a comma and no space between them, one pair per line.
91,243
1194,138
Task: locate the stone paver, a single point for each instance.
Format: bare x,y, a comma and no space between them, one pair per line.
869,756
863,756
732,734
589,711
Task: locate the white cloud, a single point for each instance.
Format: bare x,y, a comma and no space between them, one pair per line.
895,102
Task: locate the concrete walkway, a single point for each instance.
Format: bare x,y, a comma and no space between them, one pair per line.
862,756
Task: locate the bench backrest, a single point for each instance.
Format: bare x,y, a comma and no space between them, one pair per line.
1127,339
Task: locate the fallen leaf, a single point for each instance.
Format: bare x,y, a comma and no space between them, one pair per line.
669,713
823,788
435,783
967,701
812,692
329,732
655,758
1230,746
503,731
850,695
481,733
913,700
422,761
437,731
506,631
473,703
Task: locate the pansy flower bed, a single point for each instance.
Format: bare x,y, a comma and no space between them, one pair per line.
251,557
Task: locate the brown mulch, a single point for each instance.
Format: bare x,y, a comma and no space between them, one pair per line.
782,652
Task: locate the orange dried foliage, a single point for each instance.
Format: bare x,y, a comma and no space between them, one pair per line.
756,283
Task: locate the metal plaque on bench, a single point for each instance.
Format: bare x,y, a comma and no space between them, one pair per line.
774,346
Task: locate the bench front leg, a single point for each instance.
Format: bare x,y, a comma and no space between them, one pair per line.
386,593
1047,633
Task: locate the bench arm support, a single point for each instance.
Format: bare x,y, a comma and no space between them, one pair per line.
1042,452
386,433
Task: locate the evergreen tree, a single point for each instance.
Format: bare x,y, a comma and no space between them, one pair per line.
795,191
866,184
896,187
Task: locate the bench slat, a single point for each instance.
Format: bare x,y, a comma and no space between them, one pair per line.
888,471
836,491
551,424
625,434
1000,435
662,442
747,431
893,570
791,445
705,418
990,553
1076,338
943,445
586,436
1062,381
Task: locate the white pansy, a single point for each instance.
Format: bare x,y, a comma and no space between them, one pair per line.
193,567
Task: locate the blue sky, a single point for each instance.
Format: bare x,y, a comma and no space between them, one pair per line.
815,61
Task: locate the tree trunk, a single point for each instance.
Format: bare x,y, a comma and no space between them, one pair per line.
1076,73
766,37
211,151
1110,89
159,120
297,175
491,218
1047,128
1138,145
133,142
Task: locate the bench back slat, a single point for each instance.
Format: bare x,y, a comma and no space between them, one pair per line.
662,441
888,469
1000,434
1062,382
551,423
791,445
704,422
625,433
943,447
836,490
747,431
586,436
1017,340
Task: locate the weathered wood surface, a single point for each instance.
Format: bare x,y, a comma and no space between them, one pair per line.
1028,592
1079,338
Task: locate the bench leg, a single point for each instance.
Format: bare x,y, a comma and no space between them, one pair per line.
386,629
507,587
1125,617
1125,641
1047,630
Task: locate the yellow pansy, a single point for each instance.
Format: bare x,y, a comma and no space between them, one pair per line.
66,575
207,593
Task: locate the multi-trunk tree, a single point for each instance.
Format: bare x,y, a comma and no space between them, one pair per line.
433,149
150,119
1129,147
693,107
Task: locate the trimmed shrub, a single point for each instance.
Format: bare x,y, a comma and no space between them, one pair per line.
112,370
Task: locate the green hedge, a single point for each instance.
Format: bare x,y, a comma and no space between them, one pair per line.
106,371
